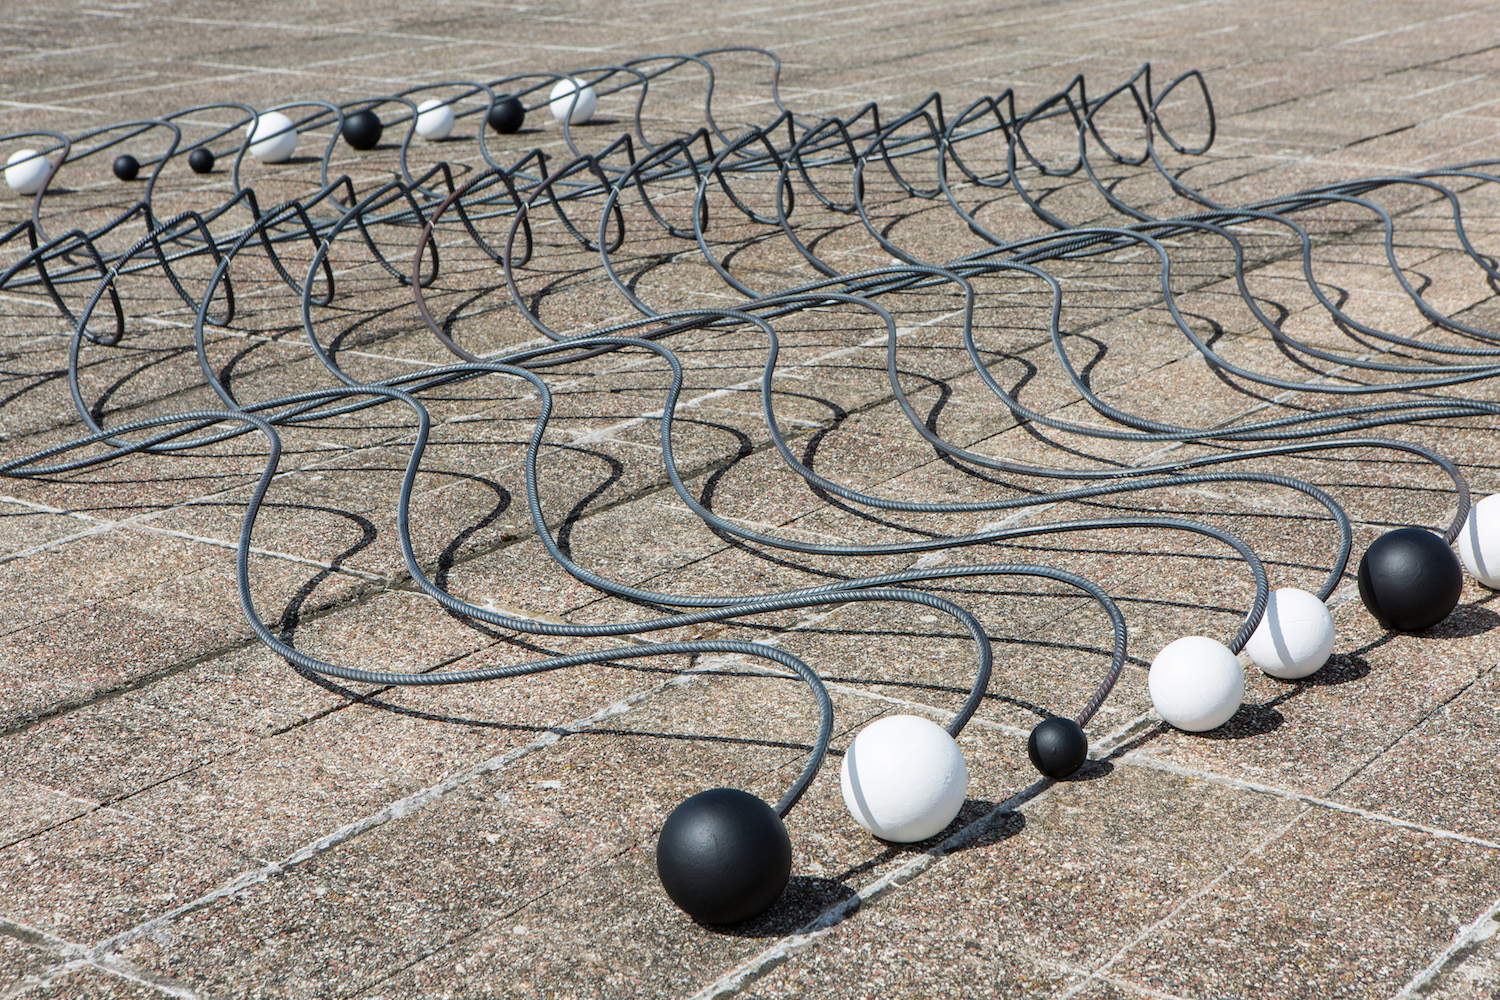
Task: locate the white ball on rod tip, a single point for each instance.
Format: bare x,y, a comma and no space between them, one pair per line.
434,119
273,137
1295,637
1196,683
26,171
572,102
904,778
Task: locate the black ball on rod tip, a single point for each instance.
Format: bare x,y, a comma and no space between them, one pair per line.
362,129
126,167
1057,747
724,856
1410,579
201,160
506,115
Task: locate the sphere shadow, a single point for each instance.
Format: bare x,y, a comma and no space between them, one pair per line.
1091,770
1341,668
1465,621
1249,721
805,898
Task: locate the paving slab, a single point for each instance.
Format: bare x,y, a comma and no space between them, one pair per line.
190,816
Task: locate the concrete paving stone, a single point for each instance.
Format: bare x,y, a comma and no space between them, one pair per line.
612,542
37,589
112,749
20,958
519,579
1076,874
140,484
275,795
465,859
1314,735
632,936
106,871
885,960
1473,978
88,983
1453,797
248,689
1302,97
321,926
345,513
23,527
756,569
1050,652
79,655
1338,904
34,807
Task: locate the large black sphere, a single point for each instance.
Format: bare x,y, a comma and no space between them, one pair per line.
362,129
1057,747
201,160
126,167
506,114
1410,579
724,856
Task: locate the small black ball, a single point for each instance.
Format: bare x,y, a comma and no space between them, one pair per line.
362,129
506,115
201,160
126,167
724,856
1410,579
1057,747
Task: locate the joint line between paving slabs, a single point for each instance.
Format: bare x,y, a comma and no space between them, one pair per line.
76,956
1464,943
826,922
391,811
1101,972
1287,794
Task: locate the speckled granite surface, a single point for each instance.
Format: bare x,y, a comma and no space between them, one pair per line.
186,816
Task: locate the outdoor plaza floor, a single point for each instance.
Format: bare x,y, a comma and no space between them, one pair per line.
189,816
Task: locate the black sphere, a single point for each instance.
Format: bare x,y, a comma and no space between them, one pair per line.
1410,579
201,160
1057,747
362,129
126,167
506,115
724,856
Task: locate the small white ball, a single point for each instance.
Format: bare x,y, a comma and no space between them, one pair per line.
26,178
1196,683
272,138
434,119
1295,637
1479,542
904,778
562,103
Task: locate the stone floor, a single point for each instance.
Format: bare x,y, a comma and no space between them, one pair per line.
188,816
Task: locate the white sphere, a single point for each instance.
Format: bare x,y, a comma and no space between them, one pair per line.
578,110
434,119
272,138
1196,683
1479,542
1295,637
26,178
904,778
